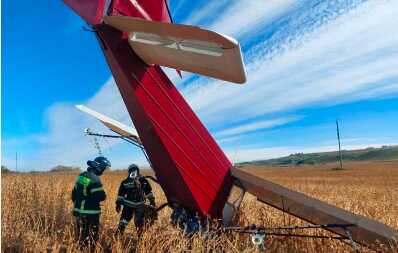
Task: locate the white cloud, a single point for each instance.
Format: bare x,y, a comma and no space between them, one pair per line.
242,17
339,61
202,15
254,126
65,142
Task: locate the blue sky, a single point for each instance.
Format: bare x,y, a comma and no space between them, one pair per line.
308,63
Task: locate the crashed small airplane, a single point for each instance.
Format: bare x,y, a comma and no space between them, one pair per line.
137,37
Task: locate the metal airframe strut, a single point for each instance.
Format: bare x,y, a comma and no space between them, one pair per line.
125,138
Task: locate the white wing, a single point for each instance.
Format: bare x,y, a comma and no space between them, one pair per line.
114,125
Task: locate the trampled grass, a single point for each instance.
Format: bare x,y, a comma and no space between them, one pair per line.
36,211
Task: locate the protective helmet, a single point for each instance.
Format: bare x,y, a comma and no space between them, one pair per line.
100,164
133,170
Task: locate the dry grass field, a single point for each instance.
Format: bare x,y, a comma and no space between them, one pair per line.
36,211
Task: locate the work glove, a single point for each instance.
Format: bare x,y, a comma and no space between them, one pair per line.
152,202
118,207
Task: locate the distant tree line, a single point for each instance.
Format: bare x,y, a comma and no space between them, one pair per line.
4,169
58,168
63,168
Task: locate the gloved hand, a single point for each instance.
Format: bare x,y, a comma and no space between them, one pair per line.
118,207
152,202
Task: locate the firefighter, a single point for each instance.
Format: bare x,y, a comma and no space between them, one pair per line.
185,220
133,192
86,196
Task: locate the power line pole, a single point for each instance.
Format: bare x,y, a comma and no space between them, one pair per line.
16,161
338,138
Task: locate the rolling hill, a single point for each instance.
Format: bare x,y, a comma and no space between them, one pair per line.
368,154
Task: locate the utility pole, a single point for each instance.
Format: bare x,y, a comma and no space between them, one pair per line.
16,161
338,138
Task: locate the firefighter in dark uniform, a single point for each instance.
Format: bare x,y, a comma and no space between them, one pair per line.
133,192
86,196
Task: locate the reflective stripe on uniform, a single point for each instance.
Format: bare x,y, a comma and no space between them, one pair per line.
97,189
87,211
134,184
82,204
85,190
129,186
132,203
120,197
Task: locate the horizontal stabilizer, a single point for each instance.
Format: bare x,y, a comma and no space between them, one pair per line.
112,124
364,231
183,47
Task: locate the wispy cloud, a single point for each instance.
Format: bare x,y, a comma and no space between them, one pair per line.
65,142
206,12
242,17
337,61
254,126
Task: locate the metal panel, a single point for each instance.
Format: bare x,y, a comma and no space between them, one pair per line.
183,47
366,231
